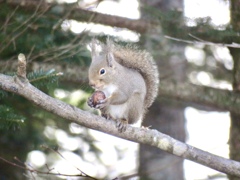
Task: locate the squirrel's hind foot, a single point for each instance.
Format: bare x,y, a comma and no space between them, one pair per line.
121,125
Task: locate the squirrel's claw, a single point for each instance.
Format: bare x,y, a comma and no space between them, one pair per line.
122,125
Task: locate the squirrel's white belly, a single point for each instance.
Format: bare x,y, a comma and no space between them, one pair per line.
117,111
109,89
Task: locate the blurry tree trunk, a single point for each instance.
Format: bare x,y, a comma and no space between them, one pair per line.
154,163
234,137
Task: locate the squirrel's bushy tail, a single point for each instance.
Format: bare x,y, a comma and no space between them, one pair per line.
141,61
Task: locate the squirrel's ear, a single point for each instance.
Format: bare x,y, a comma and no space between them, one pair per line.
96,48
110,59
110,56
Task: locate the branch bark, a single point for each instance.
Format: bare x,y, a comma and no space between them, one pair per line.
21,86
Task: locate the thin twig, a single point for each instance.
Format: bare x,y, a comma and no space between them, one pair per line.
4,26
21,32
57,152
23,167
30,53
21,70
200,41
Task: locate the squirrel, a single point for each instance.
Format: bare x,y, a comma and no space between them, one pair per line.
129,79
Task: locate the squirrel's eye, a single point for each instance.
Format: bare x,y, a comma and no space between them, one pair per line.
102,71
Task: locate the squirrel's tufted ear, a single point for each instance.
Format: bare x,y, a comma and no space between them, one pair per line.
110,59
110,56
96,48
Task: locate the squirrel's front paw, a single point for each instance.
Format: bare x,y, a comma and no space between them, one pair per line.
96,104
90,102
101,104
97,100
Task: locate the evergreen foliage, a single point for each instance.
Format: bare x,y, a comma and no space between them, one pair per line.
3,94
43,78
9,120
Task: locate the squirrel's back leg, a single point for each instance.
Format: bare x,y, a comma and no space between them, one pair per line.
136,109
133,114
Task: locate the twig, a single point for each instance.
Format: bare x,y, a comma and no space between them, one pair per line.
57,152
200,41
21,70
195,37
61,53
138,25
23,167
30,53
4,26
21,32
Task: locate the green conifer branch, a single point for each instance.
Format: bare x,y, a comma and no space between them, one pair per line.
44,78
9,120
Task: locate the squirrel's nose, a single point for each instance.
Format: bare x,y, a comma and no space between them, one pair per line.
92,84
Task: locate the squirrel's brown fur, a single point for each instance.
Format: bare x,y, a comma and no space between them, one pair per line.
128,77
140,60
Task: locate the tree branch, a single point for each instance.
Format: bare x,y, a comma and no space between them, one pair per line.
217,98
200,41
73,12
22,87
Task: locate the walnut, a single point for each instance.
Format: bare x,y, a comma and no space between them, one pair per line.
97,96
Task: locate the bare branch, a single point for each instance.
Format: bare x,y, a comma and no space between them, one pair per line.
24,167
35,16
73,12
200,41
140,135
5,24
81,172
21,70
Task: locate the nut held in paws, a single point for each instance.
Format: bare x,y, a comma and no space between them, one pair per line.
97,95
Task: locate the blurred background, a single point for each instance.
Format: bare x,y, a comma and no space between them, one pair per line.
195,44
